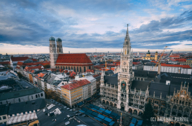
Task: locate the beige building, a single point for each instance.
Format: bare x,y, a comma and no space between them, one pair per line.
188,62
77,91
149,57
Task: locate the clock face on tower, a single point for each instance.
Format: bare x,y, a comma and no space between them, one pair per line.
124,63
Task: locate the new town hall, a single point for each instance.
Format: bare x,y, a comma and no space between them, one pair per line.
130,90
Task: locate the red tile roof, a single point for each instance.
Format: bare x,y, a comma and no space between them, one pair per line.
36,63
20,63
175,65
66,71
72,74
27,68
4,63
41,75
90,70
154,61
175,56
181,60
96,75
136,63
72,59
34,60
19,58
76,84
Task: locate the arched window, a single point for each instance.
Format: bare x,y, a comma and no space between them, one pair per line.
41,94
36,96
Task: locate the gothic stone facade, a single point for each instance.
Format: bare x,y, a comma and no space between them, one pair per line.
115,90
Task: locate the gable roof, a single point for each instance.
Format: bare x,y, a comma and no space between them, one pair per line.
33,63
140,85
5,63
76,84
27,68
175,65
26,106
159,88
19,58
4,109
69,59
111,79
175,56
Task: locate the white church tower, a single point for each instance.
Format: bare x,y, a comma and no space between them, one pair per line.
125,76
52,52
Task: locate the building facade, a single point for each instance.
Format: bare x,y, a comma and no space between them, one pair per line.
116,92
130,92
76,62
77,91
149,57
170,68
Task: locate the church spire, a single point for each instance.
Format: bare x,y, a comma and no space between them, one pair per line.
127,39
127,34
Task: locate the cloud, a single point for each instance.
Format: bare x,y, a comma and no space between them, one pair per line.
168,23
94,24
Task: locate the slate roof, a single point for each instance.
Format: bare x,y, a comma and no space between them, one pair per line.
19,88
111,79
176,78
109,72
141,73
159,88
4,109
50,78
140,85
26,106
20,93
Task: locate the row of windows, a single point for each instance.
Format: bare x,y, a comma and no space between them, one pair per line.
2,118
37,96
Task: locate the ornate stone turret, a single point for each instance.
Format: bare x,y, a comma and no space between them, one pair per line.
102,83
127,44
156,56
125,76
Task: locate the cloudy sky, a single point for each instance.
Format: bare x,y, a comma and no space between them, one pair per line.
90,25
